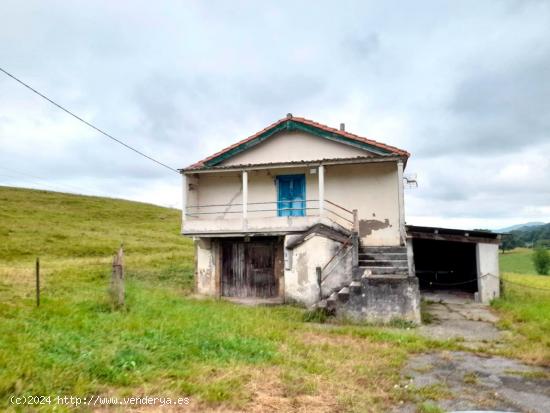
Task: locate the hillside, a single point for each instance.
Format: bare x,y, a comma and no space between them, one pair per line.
528,236
520,226
52,224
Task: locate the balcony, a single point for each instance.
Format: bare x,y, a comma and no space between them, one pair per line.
270,218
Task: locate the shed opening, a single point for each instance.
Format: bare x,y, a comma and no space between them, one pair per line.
445,265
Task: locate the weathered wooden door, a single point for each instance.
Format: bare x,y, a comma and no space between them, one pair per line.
248,269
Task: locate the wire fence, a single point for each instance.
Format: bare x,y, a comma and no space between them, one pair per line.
501,279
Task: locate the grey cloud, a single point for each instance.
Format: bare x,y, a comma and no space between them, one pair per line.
464,86
363,47
496,109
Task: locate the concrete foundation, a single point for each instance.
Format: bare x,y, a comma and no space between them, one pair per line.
206,267
382,300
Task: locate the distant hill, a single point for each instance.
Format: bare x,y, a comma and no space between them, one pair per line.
520,226
528,236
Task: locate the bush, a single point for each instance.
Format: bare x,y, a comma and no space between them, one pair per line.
541,260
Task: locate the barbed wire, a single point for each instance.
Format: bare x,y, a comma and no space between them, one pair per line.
107,264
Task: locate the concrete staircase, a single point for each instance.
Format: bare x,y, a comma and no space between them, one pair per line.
385,262
381,288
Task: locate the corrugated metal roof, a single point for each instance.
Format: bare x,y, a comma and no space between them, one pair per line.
359,159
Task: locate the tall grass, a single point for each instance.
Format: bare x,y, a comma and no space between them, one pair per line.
524,308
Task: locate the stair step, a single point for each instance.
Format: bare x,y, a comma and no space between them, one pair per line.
382,256
387,270
331,301
343,294
383,263
383,250
388,276
355,287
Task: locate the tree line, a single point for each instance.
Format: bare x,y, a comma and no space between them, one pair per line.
530,237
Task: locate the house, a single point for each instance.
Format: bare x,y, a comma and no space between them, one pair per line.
302,212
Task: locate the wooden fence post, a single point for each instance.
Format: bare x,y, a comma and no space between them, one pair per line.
117,280
38,282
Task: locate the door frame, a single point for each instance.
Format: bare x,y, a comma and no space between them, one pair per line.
304,201
278,263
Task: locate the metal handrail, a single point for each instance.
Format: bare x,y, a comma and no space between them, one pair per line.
252,210
339,216
339,206
194,210
248,203
346,242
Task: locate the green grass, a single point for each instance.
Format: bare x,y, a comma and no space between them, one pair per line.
428,407
524,306
524,309
165,342
518,261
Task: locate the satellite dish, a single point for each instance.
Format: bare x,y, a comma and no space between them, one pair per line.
410,180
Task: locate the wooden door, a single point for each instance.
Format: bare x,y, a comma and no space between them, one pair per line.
248,269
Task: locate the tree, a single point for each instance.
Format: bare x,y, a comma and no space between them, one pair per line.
508,242
541,260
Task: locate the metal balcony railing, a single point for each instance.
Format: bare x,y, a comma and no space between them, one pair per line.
310,207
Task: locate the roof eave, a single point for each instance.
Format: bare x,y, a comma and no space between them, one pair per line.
290,164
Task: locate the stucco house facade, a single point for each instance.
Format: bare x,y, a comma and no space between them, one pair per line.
302,212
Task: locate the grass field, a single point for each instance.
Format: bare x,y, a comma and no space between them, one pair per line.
525,306
518,261
166,343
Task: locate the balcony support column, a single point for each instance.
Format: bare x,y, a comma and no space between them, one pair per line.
183,199
321,178
401,200
245,200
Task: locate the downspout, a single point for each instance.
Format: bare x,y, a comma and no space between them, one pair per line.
183,199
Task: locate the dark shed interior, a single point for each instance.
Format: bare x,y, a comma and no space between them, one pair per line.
446,258
445,265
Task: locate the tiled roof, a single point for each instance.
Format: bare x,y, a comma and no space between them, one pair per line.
391,149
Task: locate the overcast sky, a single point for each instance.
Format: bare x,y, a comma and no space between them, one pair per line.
464,86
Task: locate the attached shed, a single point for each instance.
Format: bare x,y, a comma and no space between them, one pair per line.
446,259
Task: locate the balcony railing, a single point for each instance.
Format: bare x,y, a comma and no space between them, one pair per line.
309,208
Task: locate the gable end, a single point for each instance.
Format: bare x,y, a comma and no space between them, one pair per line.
290,124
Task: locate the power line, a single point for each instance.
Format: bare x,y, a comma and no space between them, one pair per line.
86,122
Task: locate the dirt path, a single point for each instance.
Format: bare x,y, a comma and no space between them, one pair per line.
464,381
455,316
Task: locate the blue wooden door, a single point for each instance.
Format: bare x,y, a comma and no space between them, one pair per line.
291,195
